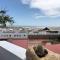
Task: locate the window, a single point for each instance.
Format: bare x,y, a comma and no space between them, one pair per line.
19,35
9,35
14,35
24,35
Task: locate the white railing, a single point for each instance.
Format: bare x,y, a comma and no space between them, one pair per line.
16,50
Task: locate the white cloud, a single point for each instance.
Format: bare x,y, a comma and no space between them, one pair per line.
39,16
25,1
49,7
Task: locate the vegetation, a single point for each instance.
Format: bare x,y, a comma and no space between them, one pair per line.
40,51
5,18
58,39
54,41
47,55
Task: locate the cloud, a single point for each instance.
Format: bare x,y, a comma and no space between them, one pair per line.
49,7
25,1
39,16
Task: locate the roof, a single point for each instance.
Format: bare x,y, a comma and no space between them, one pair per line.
22,43
55,48
29,28
46,28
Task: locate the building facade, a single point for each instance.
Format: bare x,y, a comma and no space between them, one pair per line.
28,33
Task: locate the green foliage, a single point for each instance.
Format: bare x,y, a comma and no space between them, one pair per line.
40,51
58,39
5,18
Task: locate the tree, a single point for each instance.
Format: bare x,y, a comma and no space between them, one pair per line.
5,18
40,51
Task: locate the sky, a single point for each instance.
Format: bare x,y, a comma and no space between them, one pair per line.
33,12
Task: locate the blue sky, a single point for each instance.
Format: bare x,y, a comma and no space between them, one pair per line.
27,15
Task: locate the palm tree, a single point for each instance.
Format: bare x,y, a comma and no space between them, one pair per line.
5,18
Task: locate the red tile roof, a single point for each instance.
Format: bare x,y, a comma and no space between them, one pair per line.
22,43
55,48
